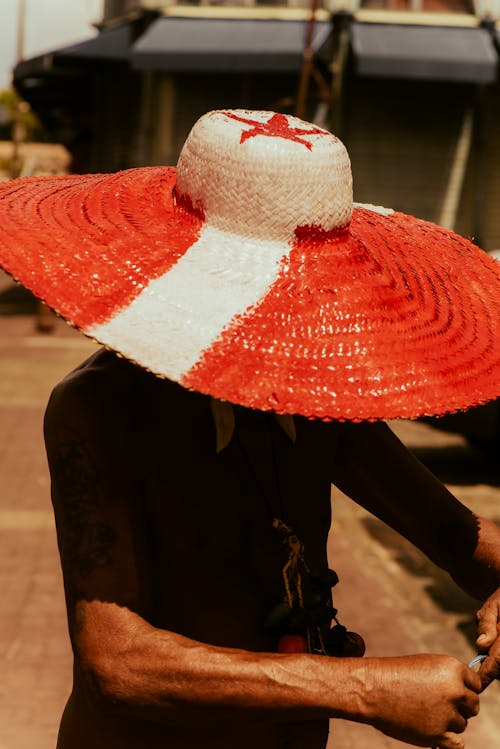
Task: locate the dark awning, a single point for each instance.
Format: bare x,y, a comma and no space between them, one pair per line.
110,44
225,45
426,52
59,84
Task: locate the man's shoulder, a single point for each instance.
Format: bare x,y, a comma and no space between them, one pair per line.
108,382
103,369
101,383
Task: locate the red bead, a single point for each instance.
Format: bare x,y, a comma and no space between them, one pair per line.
292,644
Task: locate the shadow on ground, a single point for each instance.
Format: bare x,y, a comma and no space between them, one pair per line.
460,465
16,300
437,584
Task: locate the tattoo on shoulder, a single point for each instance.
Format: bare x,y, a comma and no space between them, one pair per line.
86,543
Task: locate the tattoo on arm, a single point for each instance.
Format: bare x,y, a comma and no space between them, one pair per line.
86,544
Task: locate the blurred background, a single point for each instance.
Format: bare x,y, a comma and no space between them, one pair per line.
412,88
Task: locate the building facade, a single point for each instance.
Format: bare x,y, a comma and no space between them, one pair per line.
411,86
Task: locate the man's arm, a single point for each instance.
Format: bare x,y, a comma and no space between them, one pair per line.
154,674
378,472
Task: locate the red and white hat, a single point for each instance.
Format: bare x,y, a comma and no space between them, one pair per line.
246,273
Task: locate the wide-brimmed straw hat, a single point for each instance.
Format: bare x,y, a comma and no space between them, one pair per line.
246,273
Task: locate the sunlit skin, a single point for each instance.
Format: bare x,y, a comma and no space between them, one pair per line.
171,563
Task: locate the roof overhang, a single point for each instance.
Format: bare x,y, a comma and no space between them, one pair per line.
459,54
226,44
111,45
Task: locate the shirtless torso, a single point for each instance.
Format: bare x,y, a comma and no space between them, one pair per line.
161,523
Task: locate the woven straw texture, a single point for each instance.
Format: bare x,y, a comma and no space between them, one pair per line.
248,275
394,318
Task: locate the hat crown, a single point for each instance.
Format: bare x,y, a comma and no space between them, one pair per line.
263,175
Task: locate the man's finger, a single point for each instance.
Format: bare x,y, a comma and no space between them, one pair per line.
450,741
469,706
487,622
490,669
472,680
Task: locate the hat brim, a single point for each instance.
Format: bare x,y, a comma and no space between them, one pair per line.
392,317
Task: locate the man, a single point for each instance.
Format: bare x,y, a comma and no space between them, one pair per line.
192,510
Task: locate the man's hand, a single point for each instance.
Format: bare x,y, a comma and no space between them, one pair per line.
488,638
424,700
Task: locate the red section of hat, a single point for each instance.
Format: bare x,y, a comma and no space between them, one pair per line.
386,320
99,239
277,126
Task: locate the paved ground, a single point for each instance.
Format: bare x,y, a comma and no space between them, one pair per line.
388,591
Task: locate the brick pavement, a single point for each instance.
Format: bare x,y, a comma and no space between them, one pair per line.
35,657
382,583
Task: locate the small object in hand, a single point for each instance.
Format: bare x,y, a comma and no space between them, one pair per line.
292,644
477,660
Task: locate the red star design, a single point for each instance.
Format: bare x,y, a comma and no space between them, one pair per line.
276,127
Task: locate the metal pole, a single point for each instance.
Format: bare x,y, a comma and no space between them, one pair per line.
17,135
307,58
341,24
21,25
454,188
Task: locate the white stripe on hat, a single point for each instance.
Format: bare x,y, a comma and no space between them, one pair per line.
375,208
179,315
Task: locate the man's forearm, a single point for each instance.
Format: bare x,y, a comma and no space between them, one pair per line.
160,675
479,574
